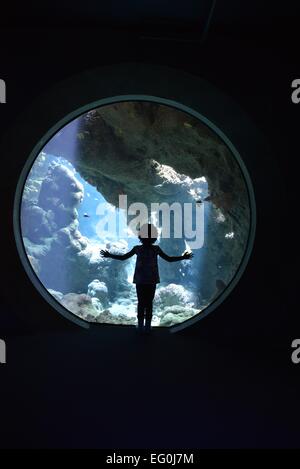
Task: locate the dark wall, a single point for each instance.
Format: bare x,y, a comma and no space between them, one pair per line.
228,380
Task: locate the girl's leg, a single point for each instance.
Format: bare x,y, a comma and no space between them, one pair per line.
140,315
149,306
148,317
140,306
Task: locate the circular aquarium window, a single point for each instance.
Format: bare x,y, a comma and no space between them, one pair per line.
108,169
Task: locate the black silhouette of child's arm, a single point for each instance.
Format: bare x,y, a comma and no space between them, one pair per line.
119,257
186,255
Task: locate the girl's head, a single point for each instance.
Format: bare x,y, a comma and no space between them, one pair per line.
148,234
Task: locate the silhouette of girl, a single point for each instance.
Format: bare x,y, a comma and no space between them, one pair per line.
146,274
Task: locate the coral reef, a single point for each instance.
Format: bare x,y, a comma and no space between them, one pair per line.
81,305
173,295
90,308
118,148
98,290
152,154
63,258
176,314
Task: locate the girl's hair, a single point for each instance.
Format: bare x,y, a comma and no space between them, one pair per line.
148,233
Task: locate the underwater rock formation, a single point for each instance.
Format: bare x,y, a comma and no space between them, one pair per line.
37,223
64,260
176,314
87,308
60,187
98,290
34,264
153,153
174,304
173,295
106,317
80,305
119,146
56,294
52,203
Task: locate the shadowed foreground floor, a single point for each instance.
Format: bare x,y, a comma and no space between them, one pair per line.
116,389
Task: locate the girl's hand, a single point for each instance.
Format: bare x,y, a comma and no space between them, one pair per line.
188,255
104,253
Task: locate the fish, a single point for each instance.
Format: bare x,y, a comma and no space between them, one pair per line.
86,215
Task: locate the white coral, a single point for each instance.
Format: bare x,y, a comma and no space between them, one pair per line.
97,289
173,294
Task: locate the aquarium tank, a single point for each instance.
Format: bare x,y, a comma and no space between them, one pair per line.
84,193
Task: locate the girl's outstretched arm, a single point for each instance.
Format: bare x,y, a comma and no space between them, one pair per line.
120,257
187,255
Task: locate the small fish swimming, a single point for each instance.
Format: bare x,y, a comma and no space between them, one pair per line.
86,215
